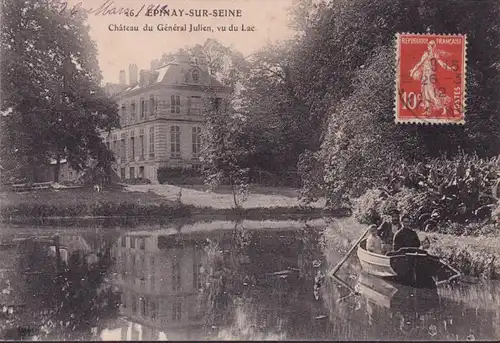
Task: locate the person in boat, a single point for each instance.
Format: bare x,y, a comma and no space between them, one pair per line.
373,241
406,237
387,230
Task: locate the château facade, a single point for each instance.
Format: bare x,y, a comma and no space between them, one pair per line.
162,116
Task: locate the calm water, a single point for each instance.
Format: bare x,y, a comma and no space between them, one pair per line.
218,280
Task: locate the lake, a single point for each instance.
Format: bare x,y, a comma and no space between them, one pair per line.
219,280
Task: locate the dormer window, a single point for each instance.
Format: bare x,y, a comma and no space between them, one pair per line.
195,75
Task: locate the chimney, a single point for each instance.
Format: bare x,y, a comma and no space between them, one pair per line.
142,77
155,64
123,79
132,73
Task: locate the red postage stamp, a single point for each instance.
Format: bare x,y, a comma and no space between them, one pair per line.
430,78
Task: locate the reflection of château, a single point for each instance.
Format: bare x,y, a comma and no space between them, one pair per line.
159,274
159,286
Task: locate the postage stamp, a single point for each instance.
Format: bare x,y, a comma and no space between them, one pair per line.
430,78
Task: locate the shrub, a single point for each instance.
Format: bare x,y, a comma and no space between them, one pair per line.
367,209
439,194
137,181
167,174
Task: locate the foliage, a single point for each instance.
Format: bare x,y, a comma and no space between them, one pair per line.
137,181
438,193
167,174
310,170
222,150
222,153
344,70
50,89
367,208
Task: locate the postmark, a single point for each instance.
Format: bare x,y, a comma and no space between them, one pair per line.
430,78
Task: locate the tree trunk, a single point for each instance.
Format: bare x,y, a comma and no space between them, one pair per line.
57,169
234,193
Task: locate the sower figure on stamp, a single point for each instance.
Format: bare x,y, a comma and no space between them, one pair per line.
425,70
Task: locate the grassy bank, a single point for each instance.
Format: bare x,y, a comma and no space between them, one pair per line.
473,256
119,204
115,201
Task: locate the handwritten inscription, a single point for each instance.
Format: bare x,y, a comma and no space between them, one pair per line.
109,8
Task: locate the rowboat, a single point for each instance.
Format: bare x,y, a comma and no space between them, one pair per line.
409,266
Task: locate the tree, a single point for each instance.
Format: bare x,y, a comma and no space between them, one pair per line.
347,77
51,83
223,150
278,126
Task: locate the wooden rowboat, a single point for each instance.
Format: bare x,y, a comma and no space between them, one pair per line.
409,266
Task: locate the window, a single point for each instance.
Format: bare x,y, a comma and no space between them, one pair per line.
132,241
196,274
196,138
175,142
152,141
141,144
195,75
194,105
177,310
141,171
176,275
142,108
132,174
152,105
218,104
144,306
134,304
124,242
132,146
142,242
154,310
123,154
175,104
132,111
123,115
122,173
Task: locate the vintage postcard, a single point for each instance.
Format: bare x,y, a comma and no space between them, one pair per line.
249,170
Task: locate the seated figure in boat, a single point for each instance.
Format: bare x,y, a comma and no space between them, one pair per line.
386,231
408,238
373,241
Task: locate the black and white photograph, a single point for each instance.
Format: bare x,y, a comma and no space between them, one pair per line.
284,170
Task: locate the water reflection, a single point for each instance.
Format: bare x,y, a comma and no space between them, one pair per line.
53,287
221,280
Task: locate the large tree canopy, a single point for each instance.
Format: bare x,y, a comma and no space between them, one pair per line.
345,61
50,87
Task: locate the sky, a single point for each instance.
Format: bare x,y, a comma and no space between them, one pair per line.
118,49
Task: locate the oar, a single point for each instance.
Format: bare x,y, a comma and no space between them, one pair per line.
337,267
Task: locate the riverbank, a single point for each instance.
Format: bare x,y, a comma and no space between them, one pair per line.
472,256
157,203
